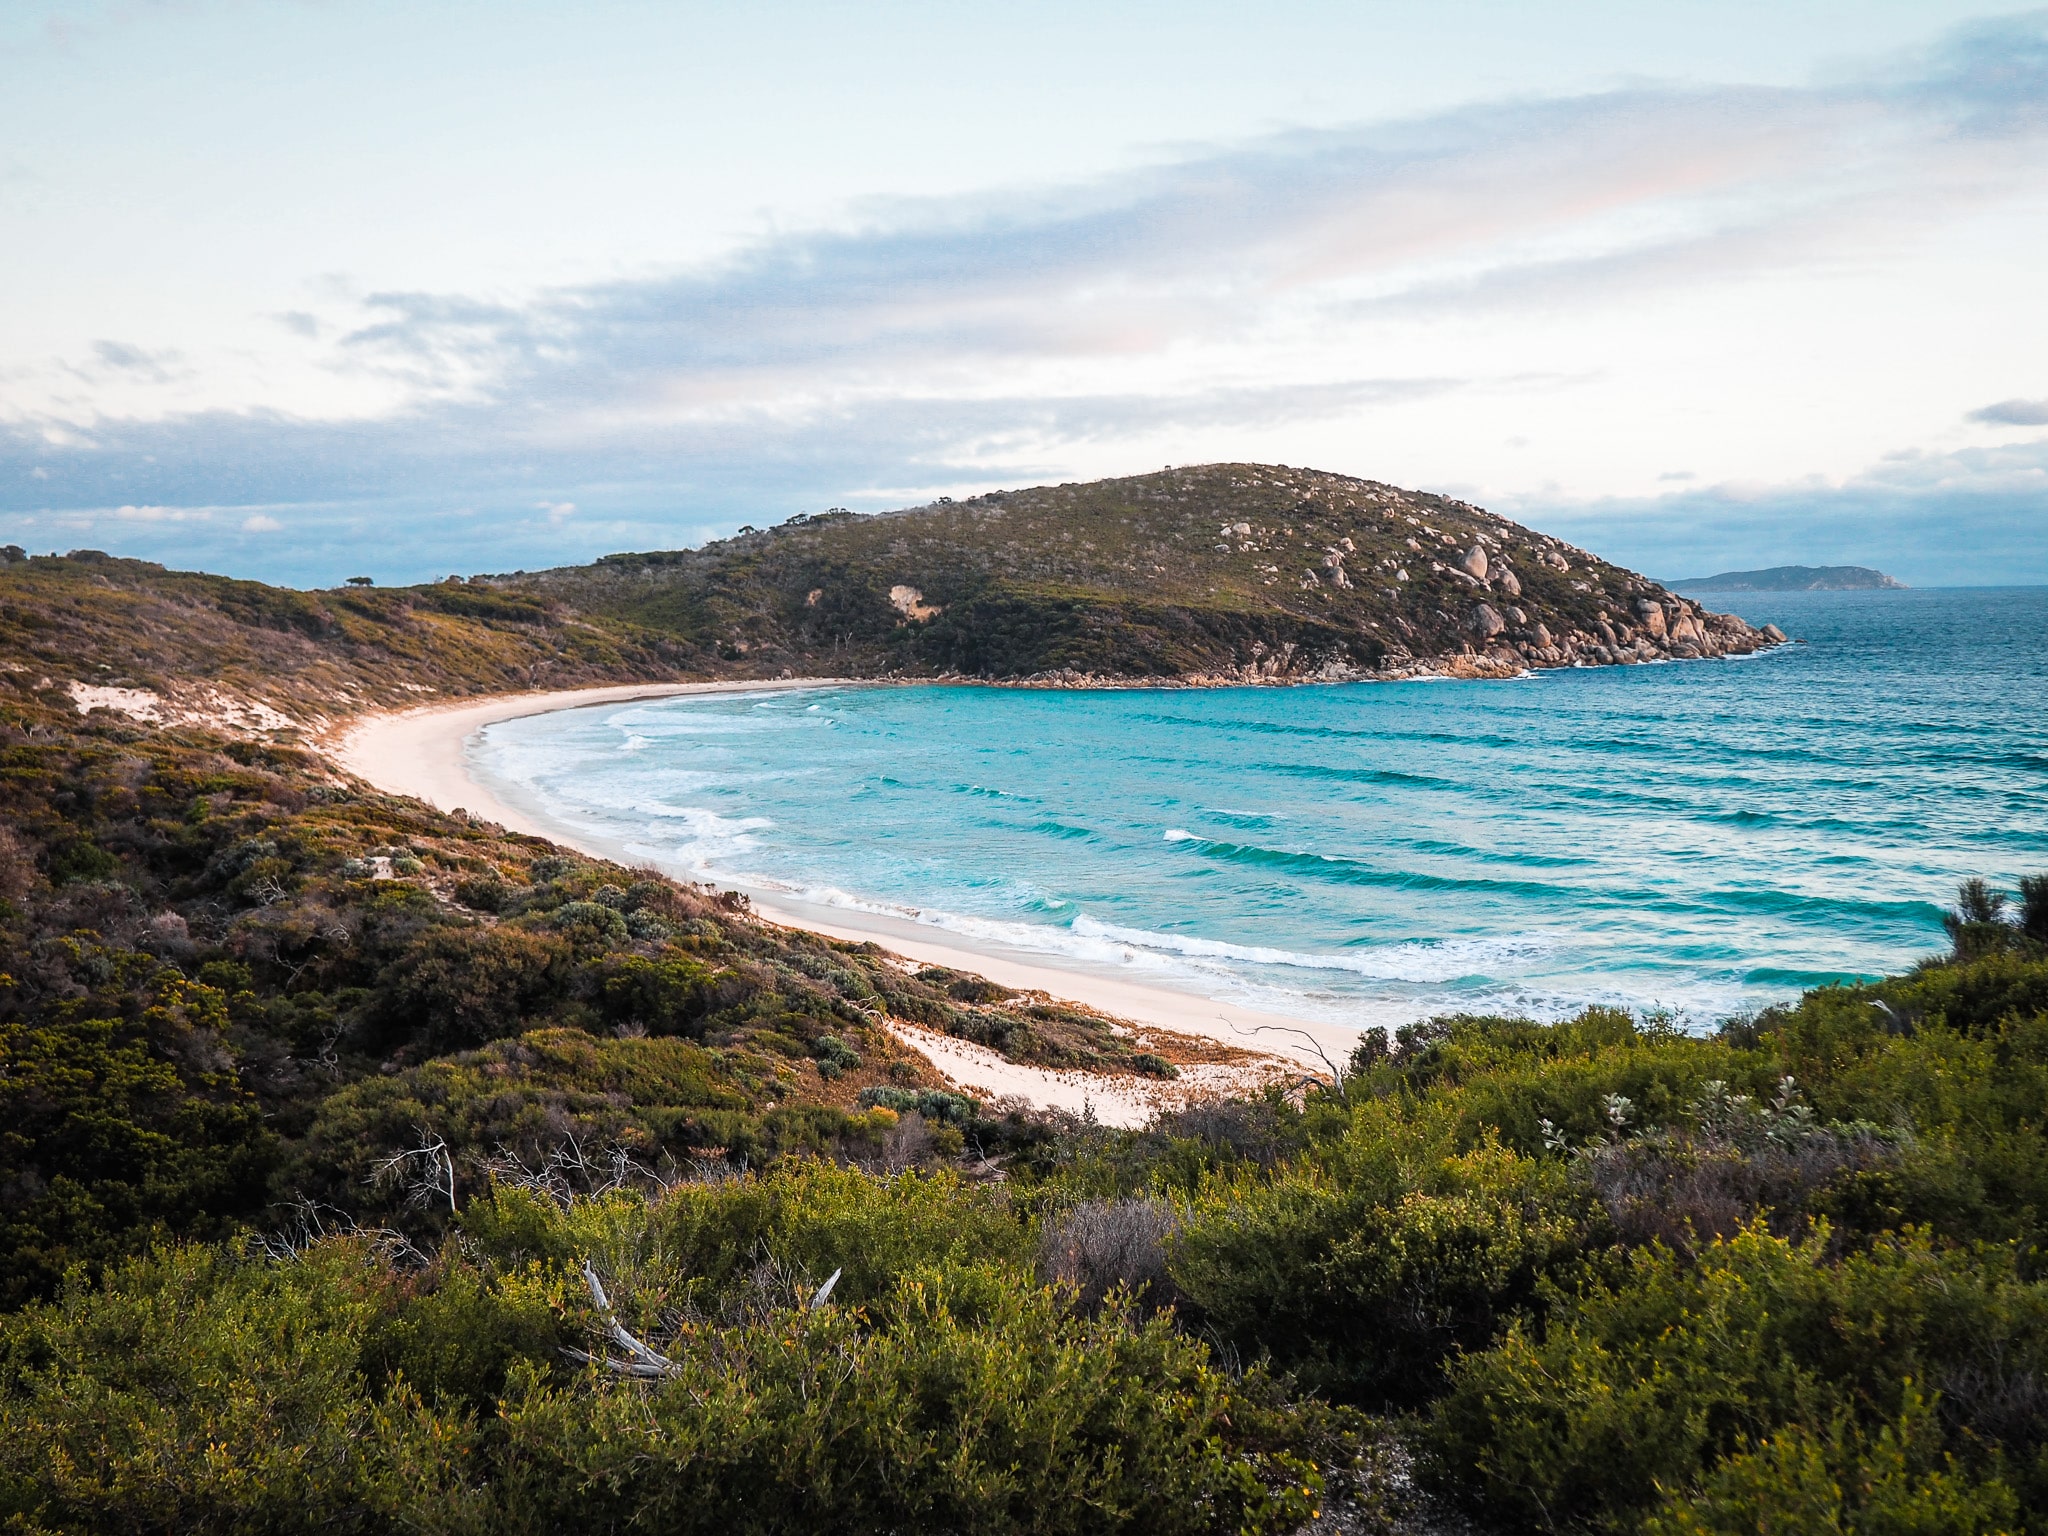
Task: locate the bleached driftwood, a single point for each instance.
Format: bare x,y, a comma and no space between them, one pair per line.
642,1361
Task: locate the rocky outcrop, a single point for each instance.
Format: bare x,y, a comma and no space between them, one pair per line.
909,602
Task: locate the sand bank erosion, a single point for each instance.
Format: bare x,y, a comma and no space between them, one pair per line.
426,753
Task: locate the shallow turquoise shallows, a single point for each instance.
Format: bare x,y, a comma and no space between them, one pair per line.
1702,837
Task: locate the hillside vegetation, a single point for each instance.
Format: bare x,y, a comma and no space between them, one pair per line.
365,1168
1226,572
1217,574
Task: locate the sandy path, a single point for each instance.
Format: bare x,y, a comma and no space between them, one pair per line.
1121,1101
425,753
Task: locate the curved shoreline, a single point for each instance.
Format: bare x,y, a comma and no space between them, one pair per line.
424,753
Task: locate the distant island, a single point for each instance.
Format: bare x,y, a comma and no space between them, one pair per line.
1793,578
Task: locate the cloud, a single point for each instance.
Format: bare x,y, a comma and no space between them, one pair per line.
2013,413
261,523
151,514
1901,516
118,357
929,343
748,463
1519,204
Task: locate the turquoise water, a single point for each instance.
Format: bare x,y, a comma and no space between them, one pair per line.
1703,837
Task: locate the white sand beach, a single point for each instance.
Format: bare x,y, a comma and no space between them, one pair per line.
422,752
425,753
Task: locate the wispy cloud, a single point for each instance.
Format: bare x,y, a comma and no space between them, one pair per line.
118,358
2013,413
1538,201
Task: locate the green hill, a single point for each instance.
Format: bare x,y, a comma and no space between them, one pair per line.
1224,573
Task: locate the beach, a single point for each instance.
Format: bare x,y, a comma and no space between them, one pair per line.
424,753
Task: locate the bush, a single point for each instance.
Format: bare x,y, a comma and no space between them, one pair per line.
1101,1247
1843,1478
834,1056
485,893
590,922
1656,1387
932,1103
966,1400
201,1392
1365,1270
329,1389
458,987
114,1132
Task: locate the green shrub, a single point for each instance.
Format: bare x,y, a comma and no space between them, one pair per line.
81,861
1364,1269
1637,1392
932,1103
200,1392
834,1056
962,1399
590,922
114,1131
657,1099
1898,1482
458,987
670,995
332,1390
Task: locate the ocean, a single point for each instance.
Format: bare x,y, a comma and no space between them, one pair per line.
1699,838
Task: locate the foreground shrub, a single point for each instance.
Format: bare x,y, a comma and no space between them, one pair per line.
963,1400
1365,1270
1842,1478
710,1248
1723,1379
346,1387
197,1392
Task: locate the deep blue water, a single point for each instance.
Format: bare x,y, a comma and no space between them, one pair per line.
1703,837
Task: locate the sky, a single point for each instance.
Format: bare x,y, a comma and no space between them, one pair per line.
305,289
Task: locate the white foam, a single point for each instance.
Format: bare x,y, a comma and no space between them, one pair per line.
1437,962
648,800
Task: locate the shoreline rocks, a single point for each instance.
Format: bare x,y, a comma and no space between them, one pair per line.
1719,637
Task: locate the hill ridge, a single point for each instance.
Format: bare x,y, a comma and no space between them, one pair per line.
1227,572
1212,574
